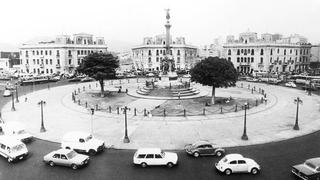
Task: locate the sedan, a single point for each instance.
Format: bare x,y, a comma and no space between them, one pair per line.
202,148
310,169
291,84
236,163
66,157
6,93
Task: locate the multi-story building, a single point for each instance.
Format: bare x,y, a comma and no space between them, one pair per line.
315,53
8,60
150,54
60,56
270,53
213,50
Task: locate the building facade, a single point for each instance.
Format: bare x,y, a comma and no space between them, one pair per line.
270,53
9,60
62,55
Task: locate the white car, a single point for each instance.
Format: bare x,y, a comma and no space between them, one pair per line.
154,156
236,163
16,130
6,93
150,75
82,142
291,84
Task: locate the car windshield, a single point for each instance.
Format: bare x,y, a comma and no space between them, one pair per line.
309,164
71,154
17,148
89,138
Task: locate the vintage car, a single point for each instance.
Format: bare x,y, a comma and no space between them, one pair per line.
66,157
202,148
6,93
154,156
12,149
236,163
310,169
291,84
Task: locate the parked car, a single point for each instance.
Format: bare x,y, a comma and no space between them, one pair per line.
201,148
87,79
187,76
82,142
75,79
236,163
291,84
12,149
66,157
6,93
252,80
154,156
131,75
150,75
310,169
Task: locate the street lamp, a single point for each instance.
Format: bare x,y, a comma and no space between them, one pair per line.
297,101
92,113
42,103
244,135
12,97
17,99
126,138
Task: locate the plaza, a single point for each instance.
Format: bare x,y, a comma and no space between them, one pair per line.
268,122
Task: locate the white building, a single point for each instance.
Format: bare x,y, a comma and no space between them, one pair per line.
315,53
60,56
270,53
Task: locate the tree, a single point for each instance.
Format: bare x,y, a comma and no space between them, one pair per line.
99,66
215,72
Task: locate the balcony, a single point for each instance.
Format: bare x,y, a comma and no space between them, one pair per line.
41,65
58,66
58,55
260,65
70,55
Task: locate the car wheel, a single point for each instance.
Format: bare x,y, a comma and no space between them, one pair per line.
143,164
51,163
196,154
73,166
169,164
228,171
219,153
92,152
254,171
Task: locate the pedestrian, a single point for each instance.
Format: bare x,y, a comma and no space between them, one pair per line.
25,99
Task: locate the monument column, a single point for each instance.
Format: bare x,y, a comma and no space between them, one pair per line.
168,26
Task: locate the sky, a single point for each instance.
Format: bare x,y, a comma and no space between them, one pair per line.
128,21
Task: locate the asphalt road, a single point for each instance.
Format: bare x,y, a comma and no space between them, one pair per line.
274,158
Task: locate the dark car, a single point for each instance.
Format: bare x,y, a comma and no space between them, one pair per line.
310,169
204,148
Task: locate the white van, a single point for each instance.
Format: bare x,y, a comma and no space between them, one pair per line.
12,149
82,142
16,130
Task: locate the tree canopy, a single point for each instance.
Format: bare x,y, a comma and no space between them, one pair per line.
215,72
99,66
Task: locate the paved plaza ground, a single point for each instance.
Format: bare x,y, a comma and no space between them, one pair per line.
268,122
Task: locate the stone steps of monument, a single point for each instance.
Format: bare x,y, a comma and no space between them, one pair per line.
184,92
190,93
142,92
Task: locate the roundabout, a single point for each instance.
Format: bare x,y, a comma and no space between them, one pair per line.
268,122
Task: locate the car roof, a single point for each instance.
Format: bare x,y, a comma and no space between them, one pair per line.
9,141
234,156
149,150
202,142
314,161
63,151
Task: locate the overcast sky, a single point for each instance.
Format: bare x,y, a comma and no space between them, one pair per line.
199,21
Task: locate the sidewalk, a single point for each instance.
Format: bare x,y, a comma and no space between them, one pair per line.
265,123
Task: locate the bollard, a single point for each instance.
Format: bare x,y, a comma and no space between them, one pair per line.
135,111
248,86
262,91
89,86
144,112
204,111
117,110
184,113
236,109
256,102
75,92
79,102
221,110
126,90
109,109
86,104
84,88
97,107
241,85
265,95
164,112
252,91
78,90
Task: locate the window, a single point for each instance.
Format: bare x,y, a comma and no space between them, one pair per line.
229,58
41,61
58,53
252,51
41,52
46,52
149,59
141,155
241,50
37,61
51,61
238,59
157,52
78,61
245,59
252,59
78,52
178,59
149,156
58,61
248,51
70,61
3,146
34,71
51,71
229,51
233,162
271,52
50,52
245,52
56,156
261,60
63,156
271,60
149,53
157,59
69,52
290,51
33,52
157,156
46,61
285,52
241,59
37,52
178,53
81,52
296,52
27,61
238,52
47,71
278,51
261,52
241,162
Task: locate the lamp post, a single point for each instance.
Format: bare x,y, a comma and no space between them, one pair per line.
126,138
297,101
42,103
244,135
17,99
12,98
92,113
